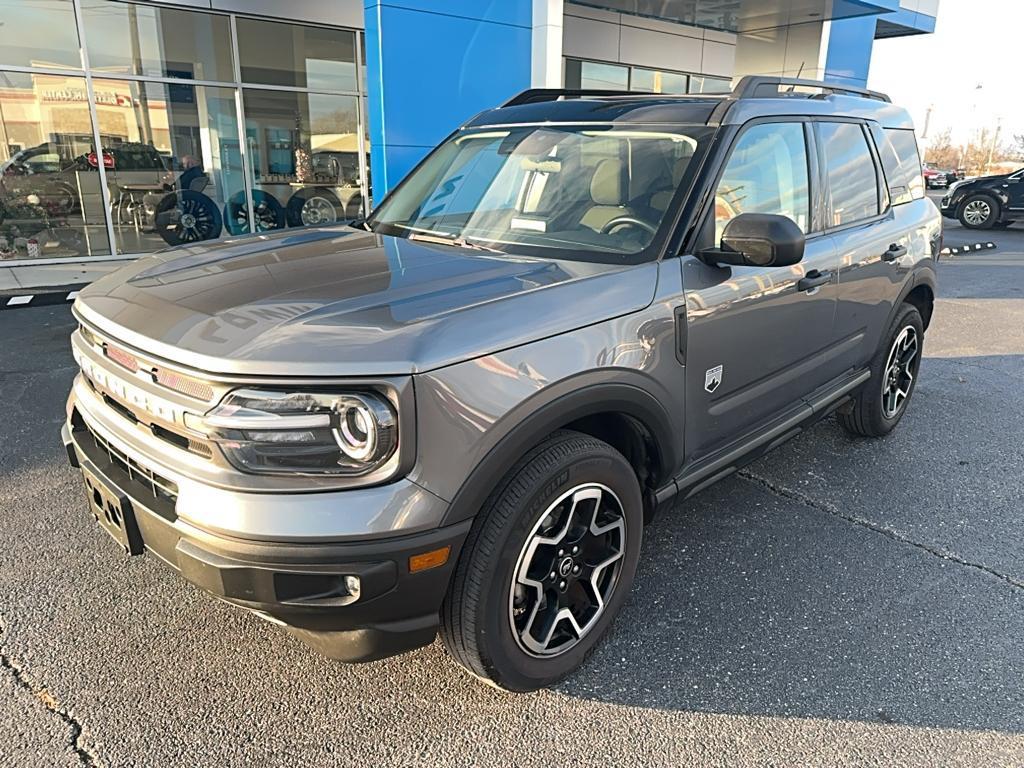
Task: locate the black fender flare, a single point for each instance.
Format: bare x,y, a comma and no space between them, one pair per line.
627,392
923,274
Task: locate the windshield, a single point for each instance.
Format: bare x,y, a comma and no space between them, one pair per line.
595,193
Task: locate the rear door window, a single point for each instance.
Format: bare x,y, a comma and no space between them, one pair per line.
852,176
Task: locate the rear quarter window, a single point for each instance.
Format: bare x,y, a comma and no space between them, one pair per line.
901,163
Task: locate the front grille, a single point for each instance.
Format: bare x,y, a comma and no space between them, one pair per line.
185,443
161,489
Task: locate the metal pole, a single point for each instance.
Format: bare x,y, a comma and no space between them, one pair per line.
94,117
243,136
361,125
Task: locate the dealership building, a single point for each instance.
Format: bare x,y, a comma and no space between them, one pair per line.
125,127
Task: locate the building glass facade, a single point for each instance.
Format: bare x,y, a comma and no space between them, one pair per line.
126,128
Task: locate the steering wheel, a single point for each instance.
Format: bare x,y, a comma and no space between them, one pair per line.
627,221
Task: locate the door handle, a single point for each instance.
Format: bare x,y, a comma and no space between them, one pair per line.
813,279
895,252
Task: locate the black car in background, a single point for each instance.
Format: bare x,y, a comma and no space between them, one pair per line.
986,201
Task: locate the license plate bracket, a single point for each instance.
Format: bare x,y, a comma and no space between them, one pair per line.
113,511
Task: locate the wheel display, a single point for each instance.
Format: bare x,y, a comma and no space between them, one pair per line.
881,402
311,206
548,563
269,214
979,212
187,217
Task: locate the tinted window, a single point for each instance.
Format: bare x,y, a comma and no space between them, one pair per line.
134,39
39,33
294,55
766,173
851,173
901,163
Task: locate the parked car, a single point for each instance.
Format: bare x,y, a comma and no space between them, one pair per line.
935,177
986,201
459,414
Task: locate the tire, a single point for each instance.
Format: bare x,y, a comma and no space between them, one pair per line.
979,212
873,414
313,206
187,217
269,213
489,616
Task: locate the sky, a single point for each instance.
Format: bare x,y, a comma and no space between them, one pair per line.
976,42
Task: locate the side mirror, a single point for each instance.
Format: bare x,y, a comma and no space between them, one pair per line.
758,240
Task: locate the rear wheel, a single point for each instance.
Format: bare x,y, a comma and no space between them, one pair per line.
548,564
979,212
880,404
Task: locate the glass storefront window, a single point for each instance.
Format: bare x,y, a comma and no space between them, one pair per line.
39,33
271,53
50,200
129,39
304,152
594,75
653,81
705,84
172,159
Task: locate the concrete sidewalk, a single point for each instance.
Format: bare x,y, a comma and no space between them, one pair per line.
41,276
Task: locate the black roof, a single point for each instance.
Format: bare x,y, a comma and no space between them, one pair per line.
753,96
636,108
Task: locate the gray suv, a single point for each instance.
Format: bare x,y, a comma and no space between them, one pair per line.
458,414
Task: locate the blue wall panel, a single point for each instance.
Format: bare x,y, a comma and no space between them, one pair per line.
431,66
849,50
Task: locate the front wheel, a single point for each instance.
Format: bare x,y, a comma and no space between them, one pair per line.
881,402
547,566
979,212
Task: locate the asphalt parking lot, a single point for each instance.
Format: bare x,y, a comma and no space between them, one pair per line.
842,602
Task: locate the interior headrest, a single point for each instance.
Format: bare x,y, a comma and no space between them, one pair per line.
606,187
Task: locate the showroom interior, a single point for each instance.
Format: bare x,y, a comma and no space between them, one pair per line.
128,127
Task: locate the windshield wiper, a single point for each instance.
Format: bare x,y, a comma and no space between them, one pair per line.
448,239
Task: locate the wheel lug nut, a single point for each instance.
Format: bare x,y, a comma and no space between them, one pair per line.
561,552
575,550
561,585
575,569
552,574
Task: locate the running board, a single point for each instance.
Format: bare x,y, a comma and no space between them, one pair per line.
816,406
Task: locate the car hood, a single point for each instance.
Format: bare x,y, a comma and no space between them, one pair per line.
342,302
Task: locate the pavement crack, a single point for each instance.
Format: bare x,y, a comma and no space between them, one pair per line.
24,680
830,509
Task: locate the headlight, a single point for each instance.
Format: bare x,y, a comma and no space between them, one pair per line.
316,433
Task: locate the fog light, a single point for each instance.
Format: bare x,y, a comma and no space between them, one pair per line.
352,586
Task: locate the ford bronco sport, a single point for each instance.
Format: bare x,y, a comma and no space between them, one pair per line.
459,414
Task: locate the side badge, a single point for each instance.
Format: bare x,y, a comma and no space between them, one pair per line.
712,378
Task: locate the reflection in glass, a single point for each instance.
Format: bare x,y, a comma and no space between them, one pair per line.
705,84
38,33
172,158
124,38
272,53
50,201
304,151
653,81
592,75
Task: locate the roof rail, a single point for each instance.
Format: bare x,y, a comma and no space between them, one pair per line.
761,86
535,95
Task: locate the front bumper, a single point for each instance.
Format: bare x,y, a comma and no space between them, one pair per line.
291,583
